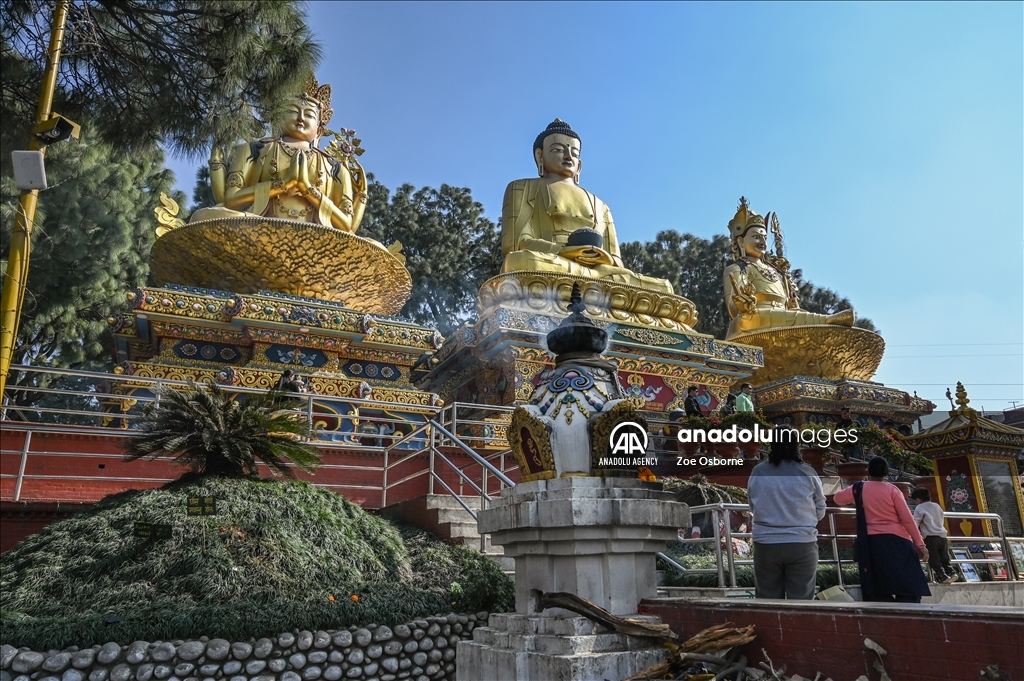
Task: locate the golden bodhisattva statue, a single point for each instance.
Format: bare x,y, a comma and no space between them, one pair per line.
539,215
285,221
288,176
759,290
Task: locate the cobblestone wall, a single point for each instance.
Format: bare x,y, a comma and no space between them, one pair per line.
421,650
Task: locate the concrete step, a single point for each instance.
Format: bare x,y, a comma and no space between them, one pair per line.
444,516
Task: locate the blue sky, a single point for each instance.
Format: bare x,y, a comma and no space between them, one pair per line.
888,137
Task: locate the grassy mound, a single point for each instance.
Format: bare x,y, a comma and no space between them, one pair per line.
278,555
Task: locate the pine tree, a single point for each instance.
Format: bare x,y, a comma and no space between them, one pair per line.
694,266
91,244
450,248
178,72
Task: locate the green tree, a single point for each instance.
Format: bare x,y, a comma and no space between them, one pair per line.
177,72
213,434
694,265
94,230
450,248
202,193
134,73
825,300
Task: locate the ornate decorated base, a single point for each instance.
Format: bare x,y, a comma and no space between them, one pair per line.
250,254
181,332
548,293
806,399
829,352
499,360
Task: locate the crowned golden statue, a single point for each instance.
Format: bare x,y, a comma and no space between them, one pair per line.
759,290
288,176
285,220
765,309
539,215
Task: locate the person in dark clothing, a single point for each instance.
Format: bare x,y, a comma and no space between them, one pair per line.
289,383
845,419
729,407
690,404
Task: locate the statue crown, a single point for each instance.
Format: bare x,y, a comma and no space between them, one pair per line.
744,219
321,94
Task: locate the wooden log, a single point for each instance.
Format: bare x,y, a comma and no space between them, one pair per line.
592,611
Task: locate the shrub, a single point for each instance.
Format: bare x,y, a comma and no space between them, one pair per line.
270,561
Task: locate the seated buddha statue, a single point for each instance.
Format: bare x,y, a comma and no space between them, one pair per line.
288,176
539,215
759,291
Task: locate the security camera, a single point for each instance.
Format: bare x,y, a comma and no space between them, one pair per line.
56,129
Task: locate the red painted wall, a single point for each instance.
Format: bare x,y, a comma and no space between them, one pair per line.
83,467
924,642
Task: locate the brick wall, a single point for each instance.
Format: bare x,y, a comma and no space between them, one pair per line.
924,642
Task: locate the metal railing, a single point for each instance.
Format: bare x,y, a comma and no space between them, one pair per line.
65,401
727,560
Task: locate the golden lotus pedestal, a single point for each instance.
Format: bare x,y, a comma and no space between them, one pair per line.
548,293
253,254
810,372
500,358
829,352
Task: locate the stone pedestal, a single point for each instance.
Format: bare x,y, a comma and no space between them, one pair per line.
593,537
515,647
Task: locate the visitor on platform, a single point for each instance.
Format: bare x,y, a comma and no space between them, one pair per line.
288,382
929,519
786,501
889,547
690,404
729,407
845,419
744,402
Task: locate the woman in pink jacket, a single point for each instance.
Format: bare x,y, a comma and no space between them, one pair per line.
889,548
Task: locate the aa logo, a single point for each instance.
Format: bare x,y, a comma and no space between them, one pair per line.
628,438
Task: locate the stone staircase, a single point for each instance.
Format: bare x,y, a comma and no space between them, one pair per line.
444,516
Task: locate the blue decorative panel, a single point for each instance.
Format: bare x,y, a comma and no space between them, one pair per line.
287,354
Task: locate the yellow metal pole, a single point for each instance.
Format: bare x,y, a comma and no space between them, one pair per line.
13,295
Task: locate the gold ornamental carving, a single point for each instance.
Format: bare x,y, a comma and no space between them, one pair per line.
651,337
530,440
829,352
250,254
548,293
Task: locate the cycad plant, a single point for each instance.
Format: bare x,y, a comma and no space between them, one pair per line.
212,434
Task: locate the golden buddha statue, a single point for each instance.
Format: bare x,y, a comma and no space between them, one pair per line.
538,216
759,290
288,176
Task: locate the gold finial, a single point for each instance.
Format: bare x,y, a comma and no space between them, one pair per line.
320,94
961,396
